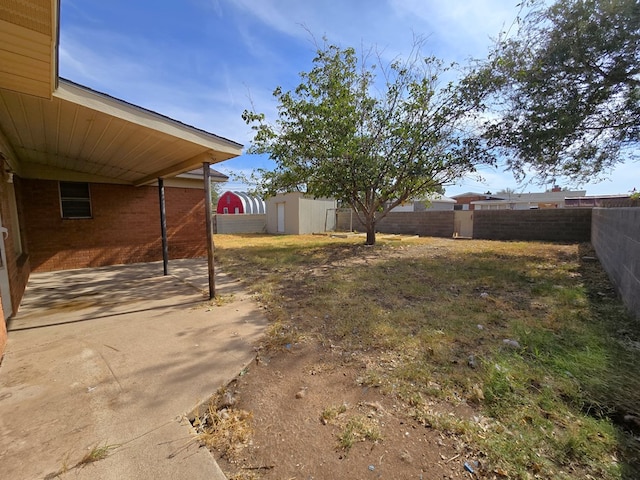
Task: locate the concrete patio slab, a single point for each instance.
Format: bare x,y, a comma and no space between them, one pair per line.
116,357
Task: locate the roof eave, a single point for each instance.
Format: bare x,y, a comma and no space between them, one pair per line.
85,96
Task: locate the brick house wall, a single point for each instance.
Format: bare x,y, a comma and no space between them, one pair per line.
124,228
18,265
186,222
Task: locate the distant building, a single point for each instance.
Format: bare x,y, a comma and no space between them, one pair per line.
240,203
600,201
431,202
464,201
527,201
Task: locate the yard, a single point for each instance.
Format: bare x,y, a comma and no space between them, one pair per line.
429,358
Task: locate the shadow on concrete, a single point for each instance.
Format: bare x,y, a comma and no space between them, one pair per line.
71,296
118,356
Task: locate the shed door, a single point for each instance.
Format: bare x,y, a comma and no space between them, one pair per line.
280,217
4,275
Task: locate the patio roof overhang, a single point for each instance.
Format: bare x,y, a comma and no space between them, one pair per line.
83,135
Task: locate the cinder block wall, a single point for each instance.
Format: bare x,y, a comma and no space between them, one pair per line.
232,223
426,224
125,227
553,225
615,235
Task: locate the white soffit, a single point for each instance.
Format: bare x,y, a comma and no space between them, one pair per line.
89,133
111,106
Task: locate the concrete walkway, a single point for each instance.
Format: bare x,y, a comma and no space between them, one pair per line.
116,357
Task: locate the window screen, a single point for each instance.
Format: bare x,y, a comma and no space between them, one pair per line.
75,200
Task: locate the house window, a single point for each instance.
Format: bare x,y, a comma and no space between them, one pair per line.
75,201
225,210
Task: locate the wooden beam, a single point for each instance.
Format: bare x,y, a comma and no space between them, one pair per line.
210,247
177,168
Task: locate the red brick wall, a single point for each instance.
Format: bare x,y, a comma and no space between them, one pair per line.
18,266
125,227
186,222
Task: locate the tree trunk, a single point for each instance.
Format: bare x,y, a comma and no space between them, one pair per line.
371,233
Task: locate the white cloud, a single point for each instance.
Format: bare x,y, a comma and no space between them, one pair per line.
113,66
463,27
283,18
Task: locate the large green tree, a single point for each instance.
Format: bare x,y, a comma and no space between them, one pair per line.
566,89
371,143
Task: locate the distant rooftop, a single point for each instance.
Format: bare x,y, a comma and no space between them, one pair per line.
469,194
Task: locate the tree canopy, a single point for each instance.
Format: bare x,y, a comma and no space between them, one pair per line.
566,88
369,144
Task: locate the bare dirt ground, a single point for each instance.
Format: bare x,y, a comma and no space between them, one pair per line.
288,393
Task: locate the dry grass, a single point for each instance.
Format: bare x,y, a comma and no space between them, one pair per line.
430,318
358,429
329,414
98,452
95,454
352,428
224,429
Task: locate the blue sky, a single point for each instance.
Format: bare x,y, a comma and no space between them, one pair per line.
203,62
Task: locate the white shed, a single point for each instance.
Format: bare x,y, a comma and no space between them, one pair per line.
295,214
